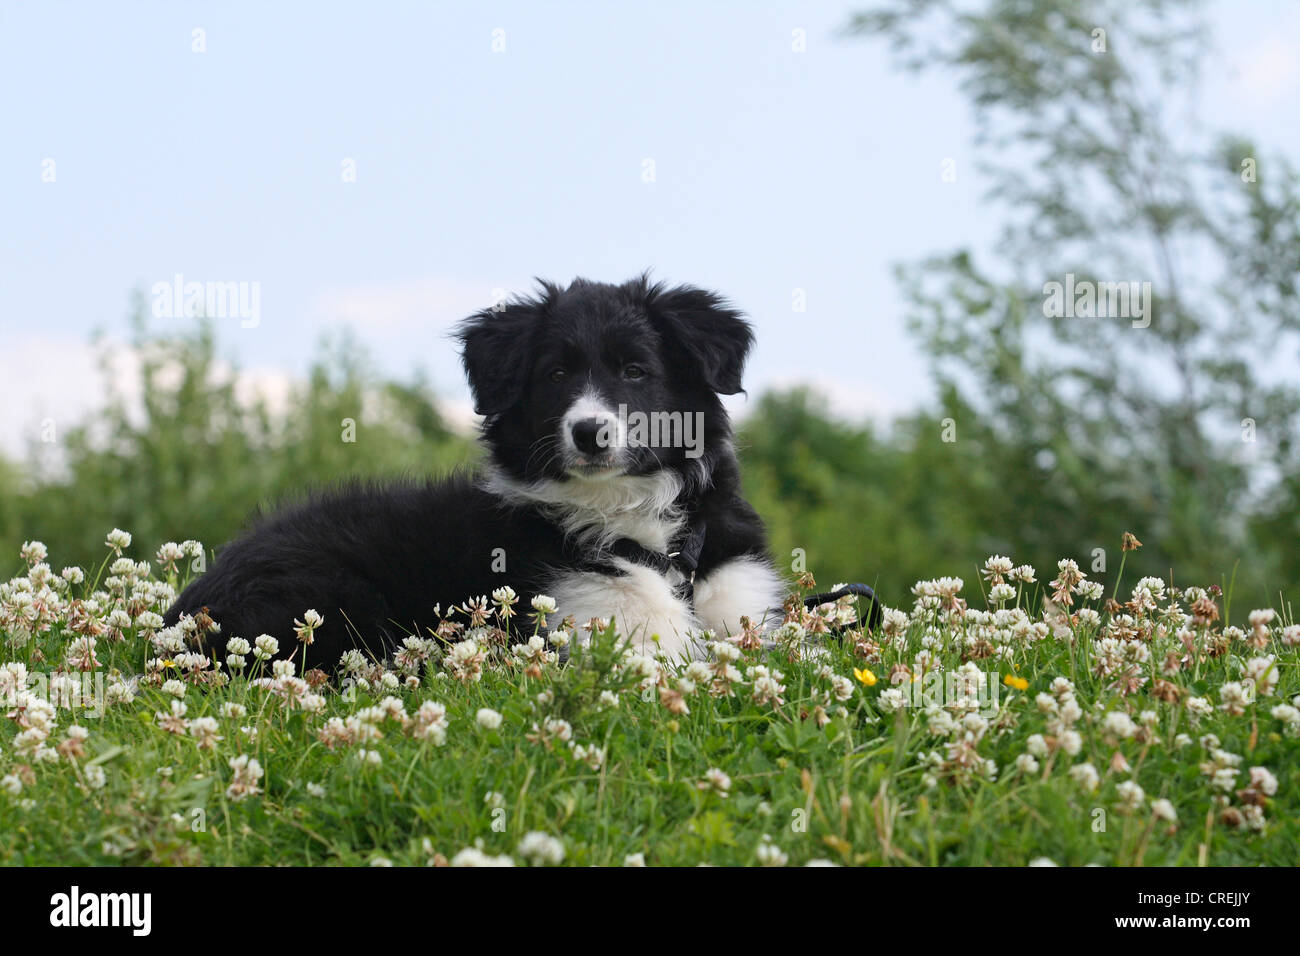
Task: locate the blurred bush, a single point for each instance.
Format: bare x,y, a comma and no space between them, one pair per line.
183,454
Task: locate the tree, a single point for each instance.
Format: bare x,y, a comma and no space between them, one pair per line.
1180,423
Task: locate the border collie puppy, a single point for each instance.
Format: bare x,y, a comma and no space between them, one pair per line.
611,484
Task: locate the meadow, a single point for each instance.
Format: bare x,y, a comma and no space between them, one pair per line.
1024,718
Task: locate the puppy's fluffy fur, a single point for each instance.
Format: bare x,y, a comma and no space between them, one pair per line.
548,373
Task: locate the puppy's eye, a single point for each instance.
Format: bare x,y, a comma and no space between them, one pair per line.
633,372
558,374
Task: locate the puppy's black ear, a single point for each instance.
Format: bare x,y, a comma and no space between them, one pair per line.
706,331
496,353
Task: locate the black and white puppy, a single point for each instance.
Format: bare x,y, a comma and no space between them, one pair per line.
611,485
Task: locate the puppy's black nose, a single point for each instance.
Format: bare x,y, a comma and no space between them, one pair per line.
587,436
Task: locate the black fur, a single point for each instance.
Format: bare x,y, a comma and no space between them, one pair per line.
375,559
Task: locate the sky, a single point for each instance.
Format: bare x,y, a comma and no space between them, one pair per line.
393,167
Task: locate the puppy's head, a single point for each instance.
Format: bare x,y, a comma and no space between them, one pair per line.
595,381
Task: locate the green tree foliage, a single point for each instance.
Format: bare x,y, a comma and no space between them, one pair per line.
183,454
1184,430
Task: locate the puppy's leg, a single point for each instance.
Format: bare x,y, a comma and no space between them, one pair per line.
747,586
640,600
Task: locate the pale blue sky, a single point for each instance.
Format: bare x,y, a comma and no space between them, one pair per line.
477,170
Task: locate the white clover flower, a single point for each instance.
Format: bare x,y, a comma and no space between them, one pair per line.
541,848
265,646
1001,593
1162,809
1263,672
997,567
247,772
305,630
892,700
204,731
769,854
1090,590
474,856
1119,724
1131,795
1026,764
1235,697
1088,618
941,723
1262,779
118,540
1261,618
34,552
1086,776
1024,573
488,719
591,755
96,778
634,859
149,621
790,633
1290,716
545,604
715,780
557,729
768,688
724,653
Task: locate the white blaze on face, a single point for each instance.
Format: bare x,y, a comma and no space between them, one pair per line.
590,405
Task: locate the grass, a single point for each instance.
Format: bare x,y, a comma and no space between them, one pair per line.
805,757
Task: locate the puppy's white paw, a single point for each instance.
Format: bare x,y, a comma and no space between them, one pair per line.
743,587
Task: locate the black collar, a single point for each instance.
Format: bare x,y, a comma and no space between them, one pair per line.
684,554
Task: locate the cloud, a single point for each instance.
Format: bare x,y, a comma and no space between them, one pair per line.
64,385
61,385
